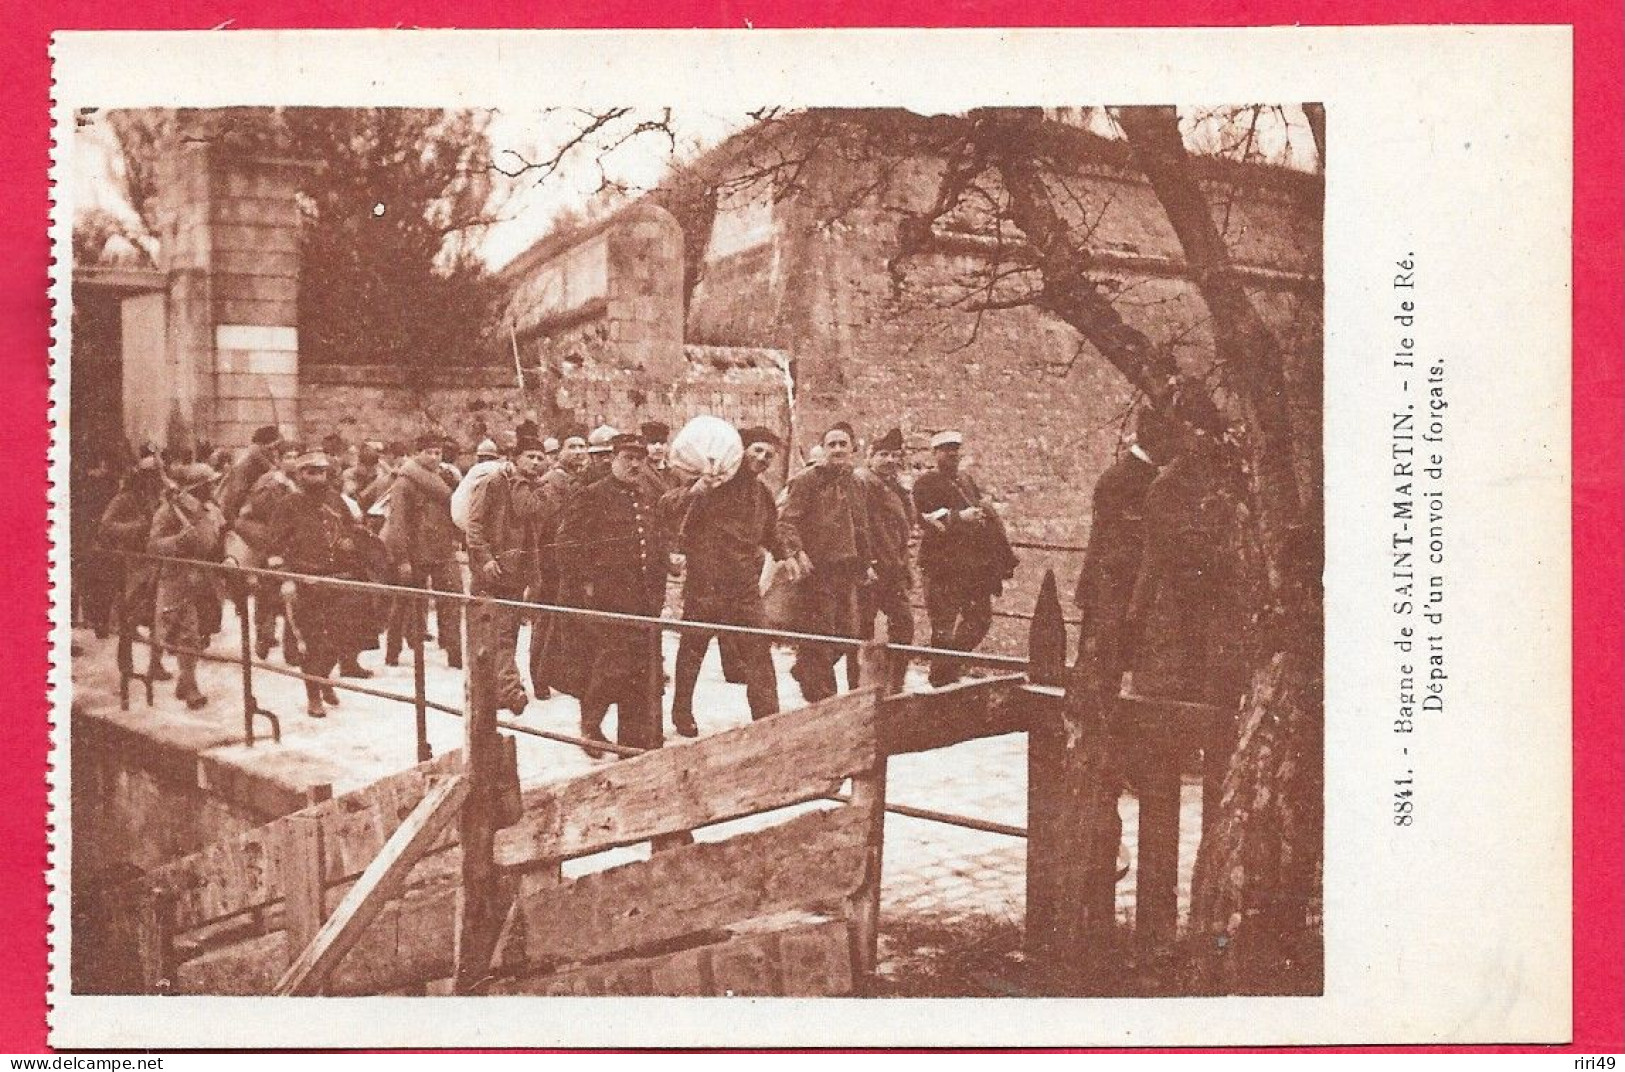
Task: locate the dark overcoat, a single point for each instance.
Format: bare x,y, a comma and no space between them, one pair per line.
612,558
1111,563
974,556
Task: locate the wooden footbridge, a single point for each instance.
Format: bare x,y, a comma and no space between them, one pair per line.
450,878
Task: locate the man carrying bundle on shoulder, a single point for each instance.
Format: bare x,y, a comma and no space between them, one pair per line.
723,530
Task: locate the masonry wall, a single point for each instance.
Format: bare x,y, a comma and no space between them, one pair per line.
368,402
144,795
1042,412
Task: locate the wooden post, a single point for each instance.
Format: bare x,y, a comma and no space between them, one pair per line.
1046,639
1045,742
1070,914
1156,891
302,871
869,791
480,912
1046,665
154,941
420,611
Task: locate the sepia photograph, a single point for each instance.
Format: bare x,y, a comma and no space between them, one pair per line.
420,455
880,538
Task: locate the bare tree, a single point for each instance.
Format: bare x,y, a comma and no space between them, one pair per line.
1007,206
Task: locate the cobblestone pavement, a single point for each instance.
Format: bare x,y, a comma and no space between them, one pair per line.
947,875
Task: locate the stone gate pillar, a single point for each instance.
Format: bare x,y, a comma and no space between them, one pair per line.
229,246
255,296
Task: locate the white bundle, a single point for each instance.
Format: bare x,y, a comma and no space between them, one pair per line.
706,447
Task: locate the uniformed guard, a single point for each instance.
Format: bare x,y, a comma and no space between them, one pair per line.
616,561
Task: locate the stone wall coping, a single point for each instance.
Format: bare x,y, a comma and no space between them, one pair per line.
186,755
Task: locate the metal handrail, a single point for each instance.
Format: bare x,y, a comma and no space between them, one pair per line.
676,625
422,703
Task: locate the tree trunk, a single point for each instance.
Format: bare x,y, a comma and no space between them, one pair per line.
1255,925
1257,892
1256,897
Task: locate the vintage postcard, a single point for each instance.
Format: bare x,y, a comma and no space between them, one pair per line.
1190,406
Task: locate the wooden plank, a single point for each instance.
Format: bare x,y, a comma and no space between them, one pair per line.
1045,838
1071,877
964,711
481,911
410,943
863,904
381,881
683,974
747,968
227,877
249,967
1151,718
814,859
245,872
302,879
155,932
816,961
809,960
792,757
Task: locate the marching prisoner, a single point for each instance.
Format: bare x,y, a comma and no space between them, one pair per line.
724,530
891,521
250,464
316,534
559,486
422,542
125,526
252,526
825,526
504,515
187,524
964,555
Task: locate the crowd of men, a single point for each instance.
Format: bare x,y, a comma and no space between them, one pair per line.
599,522
593,521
